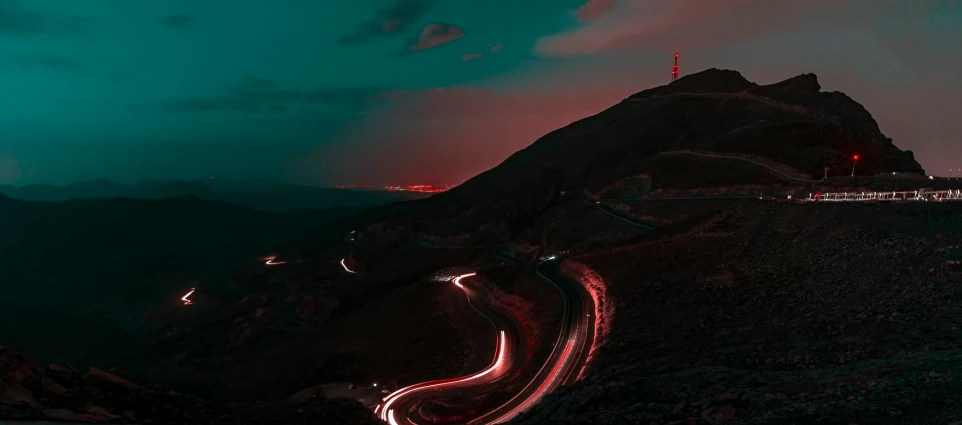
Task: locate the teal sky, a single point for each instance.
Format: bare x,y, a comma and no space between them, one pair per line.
332,92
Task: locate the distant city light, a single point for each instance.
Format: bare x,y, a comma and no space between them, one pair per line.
423,188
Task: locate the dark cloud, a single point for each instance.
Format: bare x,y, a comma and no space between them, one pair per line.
434,35
59,63
389,21
255,94
16,20
179,21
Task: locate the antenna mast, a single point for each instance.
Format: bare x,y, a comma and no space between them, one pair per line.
674,69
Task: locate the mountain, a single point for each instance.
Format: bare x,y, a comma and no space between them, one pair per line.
712,307
86,280
259,195
650,143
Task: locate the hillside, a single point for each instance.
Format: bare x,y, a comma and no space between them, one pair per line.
767,313
83,280
748,311
789,125
259,195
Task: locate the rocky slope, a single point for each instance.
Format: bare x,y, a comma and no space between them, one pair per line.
61,393
790,124
778,313
91,277
714,314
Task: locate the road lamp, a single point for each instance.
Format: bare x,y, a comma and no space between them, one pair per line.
854,161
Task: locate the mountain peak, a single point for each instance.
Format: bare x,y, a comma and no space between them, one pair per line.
790,124
712,80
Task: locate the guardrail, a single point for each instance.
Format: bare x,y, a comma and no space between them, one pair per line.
914,195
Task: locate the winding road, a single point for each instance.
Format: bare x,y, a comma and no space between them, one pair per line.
568,356
608,209
401,407
738,158
562,366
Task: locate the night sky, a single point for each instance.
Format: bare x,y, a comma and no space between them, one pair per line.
422,91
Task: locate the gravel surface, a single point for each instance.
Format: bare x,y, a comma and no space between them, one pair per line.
780,314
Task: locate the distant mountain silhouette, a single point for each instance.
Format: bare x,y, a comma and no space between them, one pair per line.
259,195
79,279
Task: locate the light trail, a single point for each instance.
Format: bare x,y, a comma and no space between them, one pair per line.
386,411
457,280
558,369
270,261
545,388
555,374
185,298
345,267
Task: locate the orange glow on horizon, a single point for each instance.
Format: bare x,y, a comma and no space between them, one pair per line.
423,188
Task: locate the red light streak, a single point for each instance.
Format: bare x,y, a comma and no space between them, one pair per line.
457,280
185,297
270,261
345,267
387,414
542,390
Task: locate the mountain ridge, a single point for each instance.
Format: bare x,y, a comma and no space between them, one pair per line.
259,195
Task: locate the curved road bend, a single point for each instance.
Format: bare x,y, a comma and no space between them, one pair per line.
607,209
401,407
567,357
780,172
563,365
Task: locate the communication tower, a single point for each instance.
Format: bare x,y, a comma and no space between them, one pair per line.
674,69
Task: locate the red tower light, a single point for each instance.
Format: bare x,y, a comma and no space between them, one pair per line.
674,69
854,157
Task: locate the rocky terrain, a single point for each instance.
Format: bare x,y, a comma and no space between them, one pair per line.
731,310
61,393
776,313
95,276
791,126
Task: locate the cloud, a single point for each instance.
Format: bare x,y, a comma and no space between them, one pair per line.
389,21
496,48
593,9
434,35
470,56
58,63
654,25
9,169
254,94
15,20
179,21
